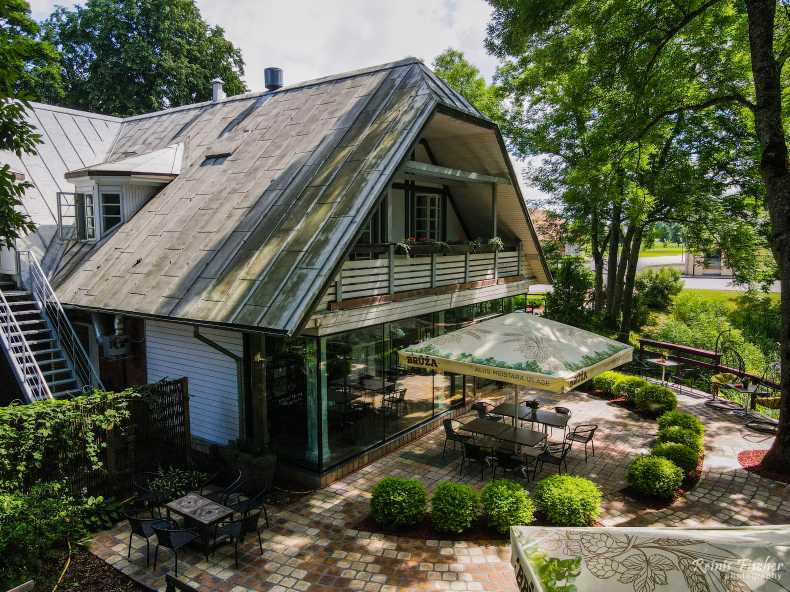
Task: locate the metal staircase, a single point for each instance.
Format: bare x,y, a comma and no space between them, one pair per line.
38,340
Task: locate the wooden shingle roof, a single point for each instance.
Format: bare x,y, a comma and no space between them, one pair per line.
272,190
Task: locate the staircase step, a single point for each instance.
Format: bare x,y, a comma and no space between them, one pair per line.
49,350
48,373
64,381
30,322
24,311
16,303
13,293
27,332
32,342
50,362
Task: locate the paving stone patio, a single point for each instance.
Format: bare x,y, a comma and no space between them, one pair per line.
313,545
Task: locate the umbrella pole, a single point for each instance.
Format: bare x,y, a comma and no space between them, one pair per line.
515,404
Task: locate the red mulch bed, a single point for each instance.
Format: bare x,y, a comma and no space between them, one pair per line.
751,459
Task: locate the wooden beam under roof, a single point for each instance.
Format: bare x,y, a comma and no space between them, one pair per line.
423,169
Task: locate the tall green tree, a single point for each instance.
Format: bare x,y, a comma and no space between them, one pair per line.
126,57
20,52
452,66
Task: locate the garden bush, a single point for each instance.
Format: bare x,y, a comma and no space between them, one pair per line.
657,287
683,420
173,482
655,399
654,476
606,381
566,500
398,502
681,436
454,507
567,302
683,456
628,386
507,504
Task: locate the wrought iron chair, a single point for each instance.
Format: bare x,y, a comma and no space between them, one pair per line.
222,495
583,434
554,454
450,435
173,539
474,453
144,527
145,496
246,507
508,460
483,410
234,531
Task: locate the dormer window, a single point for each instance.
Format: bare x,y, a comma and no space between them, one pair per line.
84,217
110,211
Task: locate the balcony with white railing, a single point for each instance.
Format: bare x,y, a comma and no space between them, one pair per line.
387,272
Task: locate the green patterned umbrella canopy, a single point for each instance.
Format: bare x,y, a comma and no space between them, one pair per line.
521,349
651,559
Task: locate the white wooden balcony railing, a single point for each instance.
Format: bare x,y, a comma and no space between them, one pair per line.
390,275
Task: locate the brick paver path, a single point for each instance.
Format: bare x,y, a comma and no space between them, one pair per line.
313,544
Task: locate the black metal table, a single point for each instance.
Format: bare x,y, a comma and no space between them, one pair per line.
201,510
548,418
504,432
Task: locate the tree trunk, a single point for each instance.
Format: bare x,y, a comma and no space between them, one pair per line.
776,177
611,272
630,280
597,254
624,258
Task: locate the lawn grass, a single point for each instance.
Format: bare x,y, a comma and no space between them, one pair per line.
662,250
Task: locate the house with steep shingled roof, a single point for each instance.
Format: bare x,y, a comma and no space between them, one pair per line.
278,249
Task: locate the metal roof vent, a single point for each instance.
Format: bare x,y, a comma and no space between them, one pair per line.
217,94
273,78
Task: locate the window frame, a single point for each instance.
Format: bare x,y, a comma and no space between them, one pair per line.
115,192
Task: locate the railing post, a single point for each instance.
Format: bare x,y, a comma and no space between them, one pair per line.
339,286
433,270
391,255
518,259
496,265
466,267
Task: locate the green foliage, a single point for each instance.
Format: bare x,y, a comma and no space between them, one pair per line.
628,386
606,381
32,525
654,476
570,295
682,419
567,500
123,57
452,67
398,502
683,456
38,440
454,507
655,399
657,287
101,513
20,52
507,504
681,435
173,482
759,319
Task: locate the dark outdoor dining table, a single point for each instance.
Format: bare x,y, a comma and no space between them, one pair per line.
201,510
502,431
549,418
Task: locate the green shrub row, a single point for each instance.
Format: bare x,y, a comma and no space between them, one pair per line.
652,399
564,500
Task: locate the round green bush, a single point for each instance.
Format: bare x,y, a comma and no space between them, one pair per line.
628,386
683,420
566,500
454,507
683,456
507,504
681,436
606,381
654,476
398,502
655,399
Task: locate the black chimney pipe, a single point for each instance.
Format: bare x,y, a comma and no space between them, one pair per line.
273,78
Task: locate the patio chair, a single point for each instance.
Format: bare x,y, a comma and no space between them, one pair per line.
248,506
233,531
222,495
396,401
508,460
450,435
474,453
144,527
584,434
554,454
483,411
145,496
173,539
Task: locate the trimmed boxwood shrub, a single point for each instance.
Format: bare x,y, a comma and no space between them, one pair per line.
683,420
681,436
606,381
398,502
567,500
507,504
655,399
628,386
683,456
454,507
654,476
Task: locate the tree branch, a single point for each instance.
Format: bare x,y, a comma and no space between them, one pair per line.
701,106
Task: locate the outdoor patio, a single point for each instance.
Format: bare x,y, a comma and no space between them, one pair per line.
314,544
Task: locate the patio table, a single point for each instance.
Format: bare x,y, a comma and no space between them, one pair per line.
549,418
506,433
663,364
205,512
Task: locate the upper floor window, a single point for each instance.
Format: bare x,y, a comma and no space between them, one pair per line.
375,229
425,217
110,211
84,216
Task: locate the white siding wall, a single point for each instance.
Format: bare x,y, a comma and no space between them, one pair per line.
135,197
172,351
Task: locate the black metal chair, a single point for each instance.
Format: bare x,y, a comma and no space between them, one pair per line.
222,495
483,410
173,539
554,454
509,461
246,507
145,496
474,453
144,527
450,435
396,401
584,434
